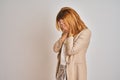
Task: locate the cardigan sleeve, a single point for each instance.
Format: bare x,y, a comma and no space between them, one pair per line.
73,47
57,46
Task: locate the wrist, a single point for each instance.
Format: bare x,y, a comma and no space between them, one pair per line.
61,39
70,35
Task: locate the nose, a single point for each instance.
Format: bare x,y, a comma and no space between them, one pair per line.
62,28
62,25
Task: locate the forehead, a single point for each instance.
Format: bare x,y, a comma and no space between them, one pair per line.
61,21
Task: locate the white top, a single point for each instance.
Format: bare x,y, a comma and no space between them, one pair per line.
63,55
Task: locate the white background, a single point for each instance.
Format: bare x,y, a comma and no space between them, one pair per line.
27,35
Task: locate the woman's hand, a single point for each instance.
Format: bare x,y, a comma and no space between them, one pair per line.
64,36
70,34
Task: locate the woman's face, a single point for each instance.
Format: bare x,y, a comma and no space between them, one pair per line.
63,26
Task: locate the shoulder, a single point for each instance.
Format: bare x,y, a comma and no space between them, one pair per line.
85,33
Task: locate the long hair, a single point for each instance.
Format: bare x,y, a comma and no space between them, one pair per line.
71,19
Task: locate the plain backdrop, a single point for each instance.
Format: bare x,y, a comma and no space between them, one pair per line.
27,35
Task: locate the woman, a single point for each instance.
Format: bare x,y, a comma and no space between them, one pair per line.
74,42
